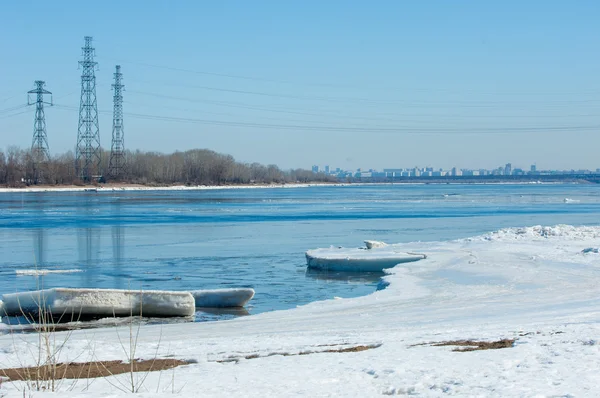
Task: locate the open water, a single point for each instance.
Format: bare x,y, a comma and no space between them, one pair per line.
206,239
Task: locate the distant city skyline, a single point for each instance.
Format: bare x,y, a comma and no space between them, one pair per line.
506,169
459,83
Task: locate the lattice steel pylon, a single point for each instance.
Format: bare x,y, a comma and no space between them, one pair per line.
40,153
116,165
87,151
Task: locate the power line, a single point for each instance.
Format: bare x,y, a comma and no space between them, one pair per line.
398,130
16,114
331,114
387,88
477,102
13,108
199,72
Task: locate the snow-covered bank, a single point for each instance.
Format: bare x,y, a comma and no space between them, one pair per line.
534,285
117,188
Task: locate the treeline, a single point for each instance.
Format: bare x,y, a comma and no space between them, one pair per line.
193,167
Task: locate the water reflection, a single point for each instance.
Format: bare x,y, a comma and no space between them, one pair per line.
39,235
237,311
88,242
39,244
118,243
348,277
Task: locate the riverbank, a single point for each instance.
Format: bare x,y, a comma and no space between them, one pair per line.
510,313
113,187
138,187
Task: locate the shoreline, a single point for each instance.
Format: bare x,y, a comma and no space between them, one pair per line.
410,335
137,187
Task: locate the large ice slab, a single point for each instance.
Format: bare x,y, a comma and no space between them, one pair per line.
96,303
374,258
222,298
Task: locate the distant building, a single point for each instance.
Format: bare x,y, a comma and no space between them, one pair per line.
533,169
508,169
315,169
393,172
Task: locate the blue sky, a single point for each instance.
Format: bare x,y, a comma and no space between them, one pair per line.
346,83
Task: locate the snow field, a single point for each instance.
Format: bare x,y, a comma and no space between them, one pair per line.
533,285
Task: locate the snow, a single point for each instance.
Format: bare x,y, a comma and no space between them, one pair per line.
374,244
167,188
532,284
375,258
37,272
84,303
222,298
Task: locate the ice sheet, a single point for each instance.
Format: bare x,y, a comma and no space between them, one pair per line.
85,303
376,259
37,272
222,298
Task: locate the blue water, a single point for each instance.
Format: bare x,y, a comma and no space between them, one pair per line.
256,238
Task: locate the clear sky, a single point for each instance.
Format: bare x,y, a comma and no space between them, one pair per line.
350,84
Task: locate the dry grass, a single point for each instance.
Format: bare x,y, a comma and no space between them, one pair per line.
472,345
357,348
94,369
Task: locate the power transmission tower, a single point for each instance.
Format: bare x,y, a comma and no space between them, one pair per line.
39,147
116,166
87,151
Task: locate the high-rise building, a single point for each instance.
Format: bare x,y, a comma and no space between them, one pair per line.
508,169
327,170
315,169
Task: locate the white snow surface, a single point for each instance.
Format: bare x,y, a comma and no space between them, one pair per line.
533,285
75,303
374,244
167,188
37,272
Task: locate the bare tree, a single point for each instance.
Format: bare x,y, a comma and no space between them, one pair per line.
196,166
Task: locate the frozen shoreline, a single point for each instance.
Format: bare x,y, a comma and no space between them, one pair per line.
118,188
127,188
535,285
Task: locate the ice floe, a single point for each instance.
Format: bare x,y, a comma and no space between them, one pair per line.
376,257
222,298
36,272
72,304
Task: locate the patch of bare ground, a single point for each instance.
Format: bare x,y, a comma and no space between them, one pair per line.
357,348
472,345
89,370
